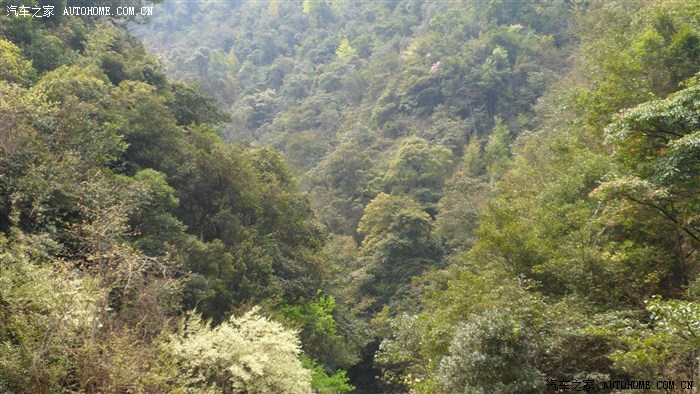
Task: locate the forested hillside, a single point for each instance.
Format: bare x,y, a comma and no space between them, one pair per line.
335,196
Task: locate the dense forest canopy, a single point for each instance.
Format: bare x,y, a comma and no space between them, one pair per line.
332,196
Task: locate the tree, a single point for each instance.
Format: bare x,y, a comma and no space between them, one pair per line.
48,52
342,185
465,196
491,353
191,106
149,127
397,245
497,151
153,219
656,143
419,170
345,51
13,67
667,347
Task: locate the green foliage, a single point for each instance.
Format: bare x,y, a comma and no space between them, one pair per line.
119,211
121,58
540,224
386,215
319,10
345,51
121,207
191,106
267,235
48,52
322,382
316,323
342,187
438,59
491,354
148,127
635,55
84,83
666,346
465,196
397,246
154,219
497,151
20,124
317,314
323,338
656,143
571,222
418,170
43,312
12,67
473,163
418,341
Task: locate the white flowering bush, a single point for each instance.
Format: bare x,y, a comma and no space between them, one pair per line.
248,354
